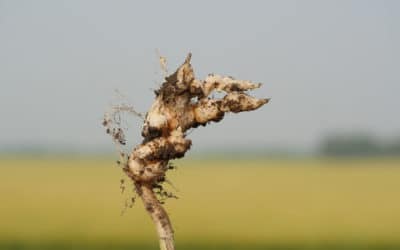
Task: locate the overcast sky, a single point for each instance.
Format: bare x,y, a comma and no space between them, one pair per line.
327,65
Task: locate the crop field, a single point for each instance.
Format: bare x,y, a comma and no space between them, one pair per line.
76,203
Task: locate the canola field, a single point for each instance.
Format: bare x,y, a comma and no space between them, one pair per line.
76,203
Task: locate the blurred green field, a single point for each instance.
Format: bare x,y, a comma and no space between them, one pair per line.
76,203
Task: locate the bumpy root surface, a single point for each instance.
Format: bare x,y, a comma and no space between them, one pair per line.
181,103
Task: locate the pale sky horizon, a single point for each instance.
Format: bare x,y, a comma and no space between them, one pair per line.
327,65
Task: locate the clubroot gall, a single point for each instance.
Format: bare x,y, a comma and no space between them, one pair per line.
181,103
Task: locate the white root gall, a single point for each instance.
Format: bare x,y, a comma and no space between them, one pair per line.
182,102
